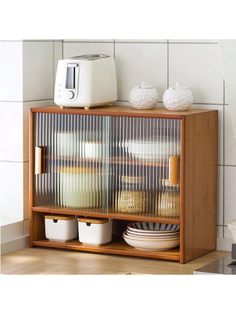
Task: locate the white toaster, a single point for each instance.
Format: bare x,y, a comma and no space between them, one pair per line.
86,81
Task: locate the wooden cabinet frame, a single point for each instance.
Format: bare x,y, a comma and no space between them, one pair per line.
198,187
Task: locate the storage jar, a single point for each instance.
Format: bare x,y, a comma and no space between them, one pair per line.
178,98
143,96
80,187
94,231
60,228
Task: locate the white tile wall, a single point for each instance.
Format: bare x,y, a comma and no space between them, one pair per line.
11,128
140,62
11,187
31,65
230,123
230,191
80,48
227,59
197,66
26,190
228,62
12,231
14,124
38,70
58,54
193,41
11,76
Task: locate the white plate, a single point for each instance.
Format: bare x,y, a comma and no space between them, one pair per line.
148,239
152,245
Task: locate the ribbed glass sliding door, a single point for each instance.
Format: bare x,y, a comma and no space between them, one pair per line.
123,165
73,154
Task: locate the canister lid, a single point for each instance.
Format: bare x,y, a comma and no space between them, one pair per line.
93,221
59,217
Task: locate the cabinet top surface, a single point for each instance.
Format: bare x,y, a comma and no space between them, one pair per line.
119,110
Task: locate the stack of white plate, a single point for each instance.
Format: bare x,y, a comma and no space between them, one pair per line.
152,236
153,150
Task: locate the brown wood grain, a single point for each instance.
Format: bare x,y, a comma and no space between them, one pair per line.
92,212
31,176
115,247
182,191
118,110
200,184
198,180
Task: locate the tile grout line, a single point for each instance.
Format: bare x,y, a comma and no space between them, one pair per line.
223,158
22,101
53,67
14,161
168,65
114,48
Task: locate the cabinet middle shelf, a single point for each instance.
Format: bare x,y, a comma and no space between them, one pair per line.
128,161
108,213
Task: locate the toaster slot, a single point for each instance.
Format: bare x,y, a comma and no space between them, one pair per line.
70,75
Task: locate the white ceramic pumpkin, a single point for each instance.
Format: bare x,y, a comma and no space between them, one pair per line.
178,98
143,96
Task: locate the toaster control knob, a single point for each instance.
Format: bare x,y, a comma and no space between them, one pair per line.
70,94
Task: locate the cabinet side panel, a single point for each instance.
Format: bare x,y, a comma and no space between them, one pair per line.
200,184
31,174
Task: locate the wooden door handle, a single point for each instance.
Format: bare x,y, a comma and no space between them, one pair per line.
38,160
174,170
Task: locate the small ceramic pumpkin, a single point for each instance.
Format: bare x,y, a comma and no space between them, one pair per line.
178,98
143,96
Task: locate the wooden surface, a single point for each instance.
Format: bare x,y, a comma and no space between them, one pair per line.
31,175
93,213
197,182
47,261
200,184
115,247
182,191
118,110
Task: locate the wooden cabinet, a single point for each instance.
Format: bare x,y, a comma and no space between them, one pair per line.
127,165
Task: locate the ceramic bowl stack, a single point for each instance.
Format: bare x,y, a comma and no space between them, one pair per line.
152,236
153,150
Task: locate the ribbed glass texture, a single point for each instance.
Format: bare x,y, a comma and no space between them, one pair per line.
124,165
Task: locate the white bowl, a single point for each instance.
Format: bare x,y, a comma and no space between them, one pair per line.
156,150
153,227
154,234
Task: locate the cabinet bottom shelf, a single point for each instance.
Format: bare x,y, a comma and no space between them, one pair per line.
117,248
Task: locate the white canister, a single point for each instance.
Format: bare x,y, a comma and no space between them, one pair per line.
80,187
60,228
91,149
143,96
67,144
95,231
178,98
